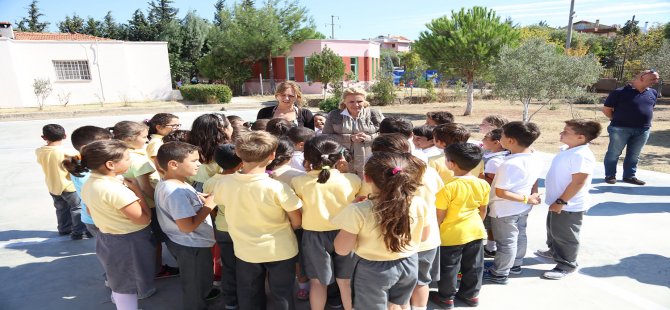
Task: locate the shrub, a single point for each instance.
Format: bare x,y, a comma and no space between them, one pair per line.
207,93
587,98
329,104
383,92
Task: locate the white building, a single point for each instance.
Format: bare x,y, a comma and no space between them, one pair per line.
396,43
82,68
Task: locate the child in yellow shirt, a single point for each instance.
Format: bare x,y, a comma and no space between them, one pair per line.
160,125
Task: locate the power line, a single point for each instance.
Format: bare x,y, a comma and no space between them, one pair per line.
332,26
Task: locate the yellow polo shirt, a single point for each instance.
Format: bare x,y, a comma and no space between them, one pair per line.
432,184
359,219
461,198
321,202
154,144
205,172
208,188
56,177
140,165
255,208
439,164
104,197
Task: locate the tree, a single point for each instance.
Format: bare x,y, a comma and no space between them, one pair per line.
535,71
110,28
325,67
139,28
466,43
42,89
218,7
74,24
194,32
630,27
659,60
32,21
161,14
666,31
93,27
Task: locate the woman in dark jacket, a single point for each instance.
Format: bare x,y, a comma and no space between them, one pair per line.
289,106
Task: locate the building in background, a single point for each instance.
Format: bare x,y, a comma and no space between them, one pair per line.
595,28
396,43
82,69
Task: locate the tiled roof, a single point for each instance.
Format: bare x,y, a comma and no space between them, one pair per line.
19,35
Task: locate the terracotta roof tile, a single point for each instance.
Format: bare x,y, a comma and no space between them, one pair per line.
19,35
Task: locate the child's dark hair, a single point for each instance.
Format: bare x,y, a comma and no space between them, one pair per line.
207,132
321,114
425,131
451,133
494,135
284,152
260,124
53,132
225,156
392,142
322,153
441,117
87,134
180,135
278,127
300,134
496,120
396,125
525,133
160,119
125,130
255,146
398,176
465,155
177,151
94,155
588,128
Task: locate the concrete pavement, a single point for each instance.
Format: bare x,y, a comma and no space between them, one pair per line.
625,256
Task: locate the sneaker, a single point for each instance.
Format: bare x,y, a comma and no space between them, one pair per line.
443,303
515,270
545,254
471,302
634,180
302,294
489,254
555,274
76,236
213,294
64,233
610,180
490,277
88,235
147,294
167,272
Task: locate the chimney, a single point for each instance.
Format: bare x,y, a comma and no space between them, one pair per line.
597,25
6,30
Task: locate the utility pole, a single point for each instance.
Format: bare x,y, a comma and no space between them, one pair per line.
332,26
572,13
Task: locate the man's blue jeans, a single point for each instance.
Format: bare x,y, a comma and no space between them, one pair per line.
631,138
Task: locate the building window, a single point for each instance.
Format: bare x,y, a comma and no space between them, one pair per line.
72,70
305,70
354,67
290,68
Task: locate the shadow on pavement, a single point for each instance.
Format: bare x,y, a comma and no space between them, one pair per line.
620,208
632,190
645,268
23,234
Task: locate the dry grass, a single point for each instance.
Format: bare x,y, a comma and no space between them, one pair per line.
655,155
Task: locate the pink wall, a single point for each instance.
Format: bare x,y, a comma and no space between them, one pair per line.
344,48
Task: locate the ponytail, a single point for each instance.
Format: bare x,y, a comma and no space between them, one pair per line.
398,176
94,155
322,153
74,166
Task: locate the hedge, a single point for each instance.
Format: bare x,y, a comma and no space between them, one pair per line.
207,93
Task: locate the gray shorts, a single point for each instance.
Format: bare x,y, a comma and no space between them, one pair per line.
320,260
128,260
376,283
429,266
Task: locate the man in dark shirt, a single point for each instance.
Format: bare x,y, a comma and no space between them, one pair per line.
630,110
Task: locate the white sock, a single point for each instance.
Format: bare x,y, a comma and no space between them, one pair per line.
490,245
304,286
125,301
419,308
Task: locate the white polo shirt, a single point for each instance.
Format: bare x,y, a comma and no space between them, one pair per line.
493,160
578,159
517,174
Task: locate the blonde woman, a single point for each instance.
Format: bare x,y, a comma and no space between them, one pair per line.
289,106
354,126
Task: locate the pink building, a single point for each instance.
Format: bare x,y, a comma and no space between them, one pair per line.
397,43
359,56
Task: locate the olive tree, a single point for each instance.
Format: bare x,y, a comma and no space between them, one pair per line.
325,67
659,60
536,72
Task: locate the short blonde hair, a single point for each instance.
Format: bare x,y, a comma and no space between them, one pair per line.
255,146
352,91
283,86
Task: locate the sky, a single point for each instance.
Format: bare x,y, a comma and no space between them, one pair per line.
362,19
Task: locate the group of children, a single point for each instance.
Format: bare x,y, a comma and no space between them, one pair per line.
244,205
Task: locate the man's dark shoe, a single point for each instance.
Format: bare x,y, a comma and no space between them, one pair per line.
443,303
76,236
634,180
471,302
610,180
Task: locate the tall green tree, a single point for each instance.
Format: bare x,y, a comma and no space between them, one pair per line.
219,6
139,28
194,32
161,14
630,27
32,21
110,28
93,27
325,67
466,43
536,72
659,60
72,24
